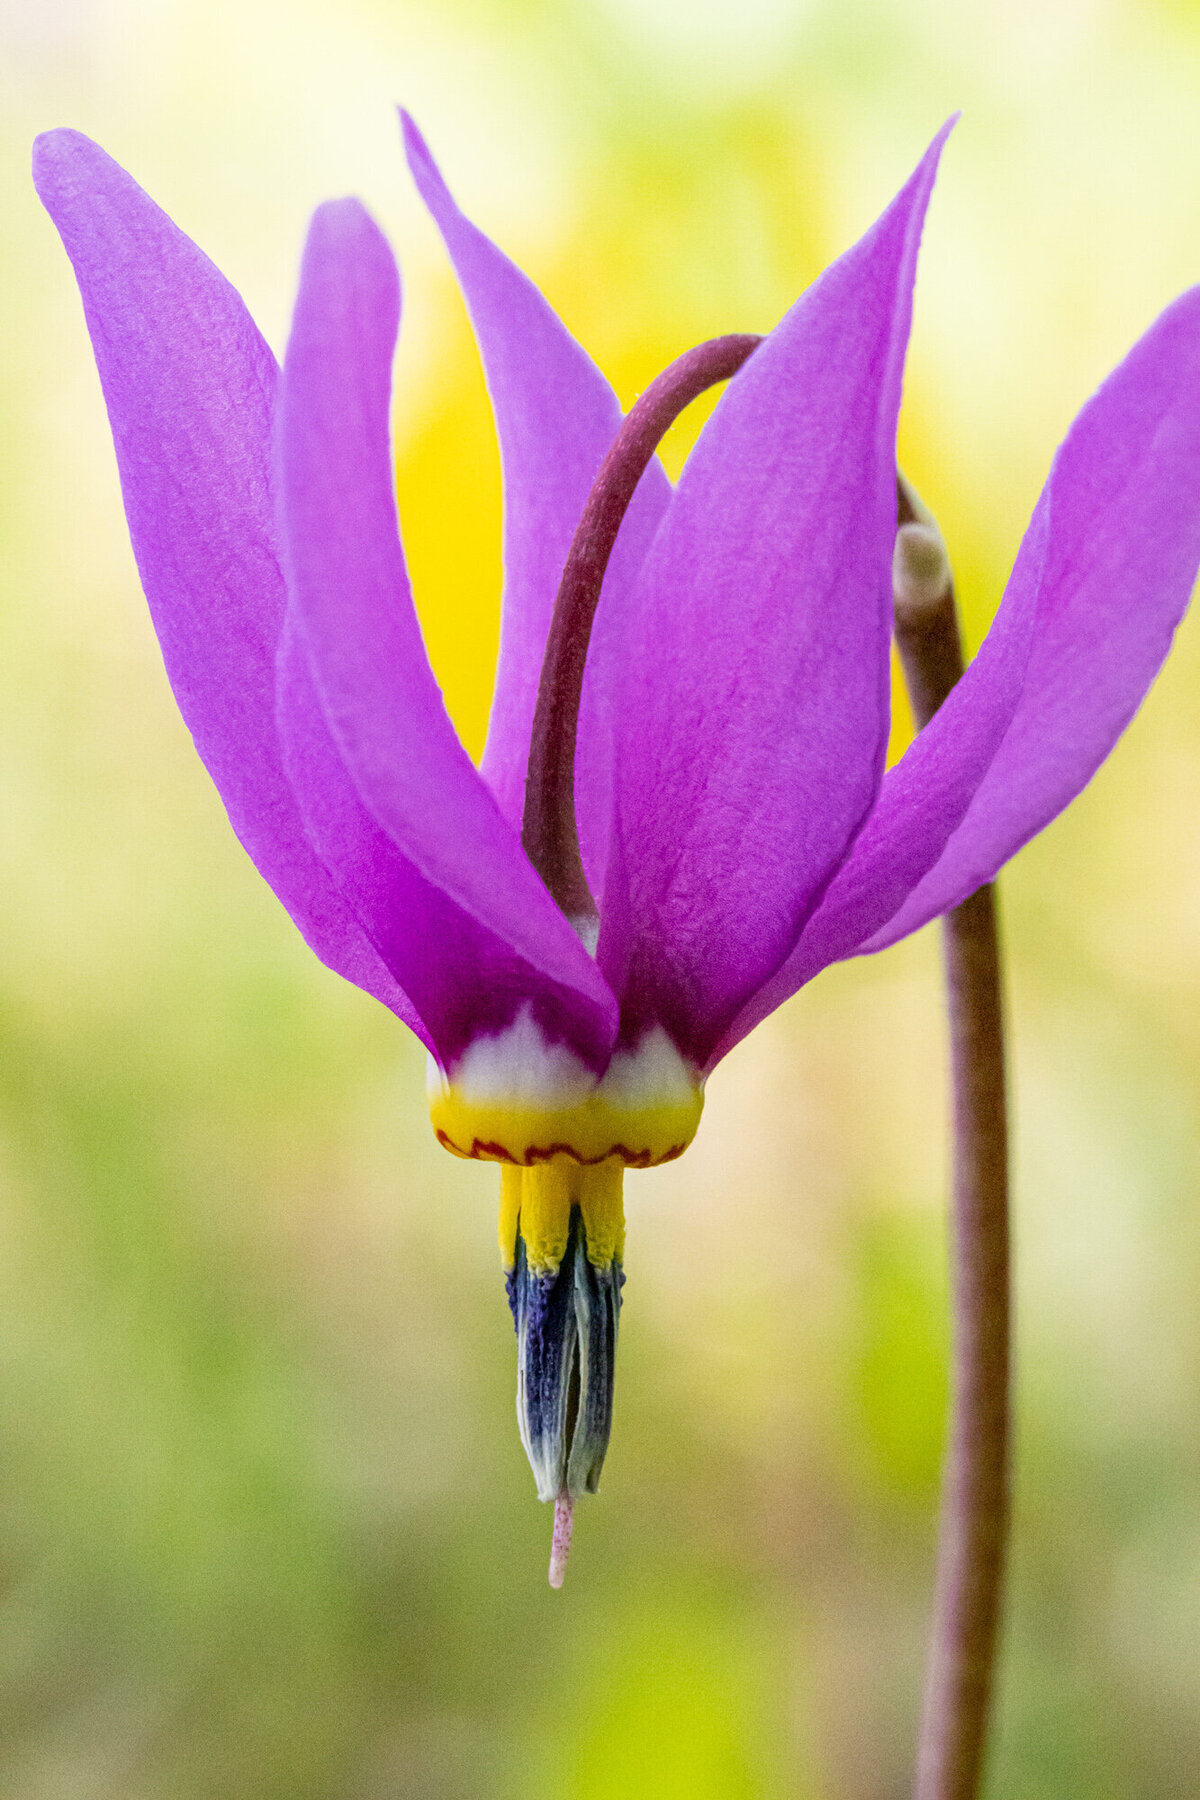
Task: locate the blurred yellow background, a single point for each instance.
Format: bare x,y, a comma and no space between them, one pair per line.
266,1529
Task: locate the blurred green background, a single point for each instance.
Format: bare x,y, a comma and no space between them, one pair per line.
266,1530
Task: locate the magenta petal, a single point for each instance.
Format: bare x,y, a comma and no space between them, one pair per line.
1103,577
755,712
922,801
190,390
349,594
465,982
556,416
1121,517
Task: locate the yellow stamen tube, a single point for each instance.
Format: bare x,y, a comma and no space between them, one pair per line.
563,1137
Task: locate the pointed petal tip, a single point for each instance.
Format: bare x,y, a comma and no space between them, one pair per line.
926,170
414,142
421,165
917,189
938,141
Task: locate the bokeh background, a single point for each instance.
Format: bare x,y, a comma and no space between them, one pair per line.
266,1530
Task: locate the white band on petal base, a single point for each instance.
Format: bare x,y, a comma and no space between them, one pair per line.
516,1098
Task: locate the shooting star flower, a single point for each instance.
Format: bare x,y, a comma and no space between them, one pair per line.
735,822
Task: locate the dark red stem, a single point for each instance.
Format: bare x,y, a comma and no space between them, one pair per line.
548,829
975,1490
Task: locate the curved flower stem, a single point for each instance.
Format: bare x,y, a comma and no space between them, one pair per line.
548,828
975,1495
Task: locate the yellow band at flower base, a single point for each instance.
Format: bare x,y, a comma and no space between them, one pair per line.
516,1098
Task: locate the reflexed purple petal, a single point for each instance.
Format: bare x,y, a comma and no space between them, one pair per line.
1121,517
922,801
349,594
1102,579
190,389
556,417
464,980
755,713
